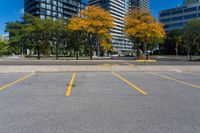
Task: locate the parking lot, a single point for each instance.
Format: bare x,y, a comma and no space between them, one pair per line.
100,102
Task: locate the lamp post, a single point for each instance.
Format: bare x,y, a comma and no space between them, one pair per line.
145,48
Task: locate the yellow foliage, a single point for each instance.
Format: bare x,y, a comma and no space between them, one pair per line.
106,46
140,24
94,20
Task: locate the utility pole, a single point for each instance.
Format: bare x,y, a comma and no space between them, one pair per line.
145,49
22,48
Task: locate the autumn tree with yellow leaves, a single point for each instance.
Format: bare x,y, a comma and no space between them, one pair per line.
142,28
96,23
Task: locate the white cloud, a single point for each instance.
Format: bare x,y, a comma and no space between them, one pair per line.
21,11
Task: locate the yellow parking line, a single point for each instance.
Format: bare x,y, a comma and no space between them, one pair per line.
148,61
129,64
17,81
191,73
109,65
132,85
179,81
68,93
115,65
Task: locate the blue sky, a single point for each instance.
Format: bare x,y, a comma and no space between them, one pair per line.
10,10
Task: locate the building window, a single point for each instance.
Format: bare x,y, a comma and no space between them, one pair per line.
48,12
42,5
177,25
166,26
49,7
42,16
191,9
165,20
177,12
190,16
165,14
177,18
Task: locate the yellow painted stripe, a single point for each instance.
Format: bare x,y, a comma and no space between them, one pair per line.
132,85
150,61
129,64
109,65
17,81
173,79
196,74
68,93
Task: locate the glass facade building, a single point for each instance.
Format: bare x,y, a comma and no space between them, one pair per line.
54,8
175,18
142,4
118,9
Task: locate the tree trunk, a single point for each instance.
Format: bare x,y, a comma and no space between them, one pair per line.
56,51
90,43
77,46
38,51
91,54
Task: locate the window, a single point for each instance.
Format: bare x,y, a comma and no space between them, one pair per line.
177,18
191,9
177,12
165,20
49,7
42,5
48,12
54,14
165,14
42,16
54,3
177,25
190,16
166,26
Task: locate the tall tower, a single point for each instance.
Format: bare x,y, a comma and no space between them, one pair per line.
118,9
187,2
141,4
54,8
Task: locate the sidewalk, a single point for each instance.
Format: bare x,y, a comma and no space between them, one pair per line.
93,68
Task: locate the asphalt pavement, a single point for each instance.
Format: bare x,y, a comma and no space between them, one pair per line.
95,62
100,102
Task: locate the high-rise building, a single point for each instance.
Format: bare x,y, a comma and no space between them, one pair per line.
141,4
4,37
175,18
186,2
119,9
54,8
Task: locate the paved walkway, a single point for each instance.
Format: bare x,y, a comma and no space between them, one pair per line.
96,68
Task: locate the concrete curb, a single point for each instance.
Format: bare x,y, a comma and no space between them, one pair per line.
92,68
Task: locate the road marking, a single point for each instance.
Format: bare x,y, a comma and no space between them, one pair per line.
108,65
174,79
191,73
132,85
129,64
148,61
17,81
68,93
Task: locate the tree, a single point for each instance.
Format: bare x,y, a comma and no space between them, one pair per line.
191,36
95,22
142,28
4,47
173,41
56,31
